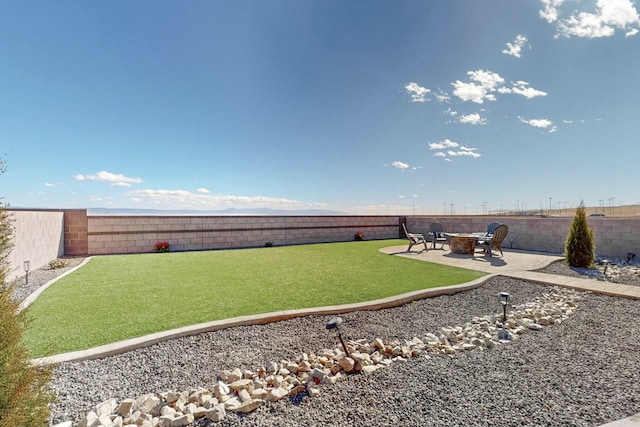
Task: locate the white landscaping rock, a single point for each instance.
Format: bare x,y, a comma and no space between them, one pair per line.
147,403
217,413
247,407
347,363
182,420
106,408
277,394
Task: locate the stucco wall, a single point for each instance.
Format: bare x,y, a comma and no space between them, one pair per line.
38,239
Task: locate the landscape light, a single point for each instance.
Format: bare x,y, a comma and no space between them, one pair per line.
334,325
503,335
504,298
27,266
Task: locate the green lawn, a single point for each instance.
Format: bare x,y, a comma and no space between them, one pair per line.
124,296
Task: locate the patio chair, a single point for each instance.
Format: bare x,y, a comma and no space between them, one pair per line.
436,230
495,242
491,227
486,235
414,239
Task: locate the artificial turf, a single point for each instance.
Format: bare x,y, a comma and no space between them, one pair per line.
116,297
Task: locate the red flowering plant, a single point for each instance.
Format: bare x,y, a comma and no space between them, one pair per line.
161,247
358,236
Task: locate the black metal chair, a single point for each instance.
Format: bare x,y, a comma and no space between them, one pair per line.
436,230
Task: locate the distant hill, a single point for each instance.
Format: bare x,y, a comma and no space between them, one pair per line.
223,212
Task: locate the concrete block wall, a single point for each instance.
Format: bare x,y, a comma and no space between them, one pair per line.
614,237
617,236
138,234
38,238
43,235
75,232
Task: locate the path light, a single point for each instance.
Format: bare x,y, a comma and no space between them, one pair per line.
606,263
334,325
504,299
27,265
630,256
502,332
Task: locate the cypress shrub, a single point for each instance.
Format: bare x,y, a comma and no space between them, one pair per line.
579,246
24,388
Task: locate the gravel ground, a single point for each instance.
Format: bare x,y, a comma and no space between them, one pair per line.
41,276
580,373
614,270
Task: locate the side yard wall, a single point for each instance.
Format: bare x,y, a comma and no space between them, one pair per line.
43,235
614,237
137,234
38,238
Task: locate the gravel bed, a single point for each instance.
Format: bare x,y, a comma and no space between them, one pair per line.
580,373
40,277
614,270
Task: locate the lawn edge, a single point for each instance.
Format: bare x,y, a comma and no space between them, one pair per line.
35,294
254,319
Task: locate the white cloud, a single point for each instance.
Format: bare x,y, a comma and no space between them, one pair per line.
442,145
111,178
451,112
53,184
608,17
184,199
203,190
482,85
540,123
418,93
473,119
442,96
550,10
515,48
400,165
522,88
464,151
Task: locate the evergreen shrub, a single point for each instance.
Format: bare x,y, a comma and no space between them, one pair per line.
579,246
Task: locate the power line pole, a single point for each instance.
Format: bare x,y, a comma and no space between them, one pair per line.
611,199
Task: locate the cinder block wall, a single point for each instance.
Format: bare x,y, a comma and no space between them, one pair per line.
614,237
75,232
138,234
43,235
37,239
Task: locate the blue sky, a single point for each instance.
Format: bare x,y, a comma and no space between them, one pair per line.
366,107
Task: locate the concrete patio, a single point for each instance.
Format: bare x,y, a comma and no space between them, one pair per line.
517,264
